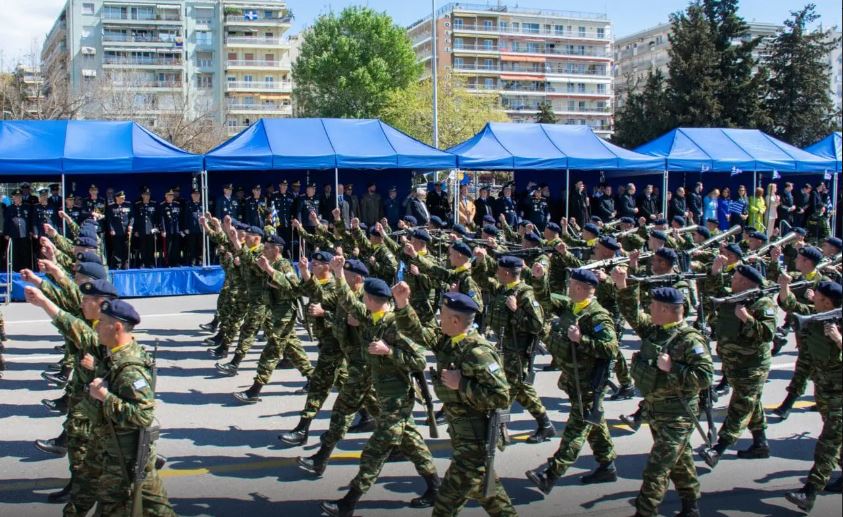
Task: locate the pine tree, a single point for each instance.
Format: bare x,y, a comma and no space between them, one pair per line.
546,114
800,106
646,113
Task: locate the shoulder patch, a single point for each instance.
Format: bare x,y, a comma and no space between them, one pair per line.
472,294
770,311
536,303
139,384
698,350
494,367
598,328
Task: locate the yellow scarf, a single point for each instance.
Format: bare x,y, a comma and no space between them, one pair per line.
377,316
458,338
580,306
464,267
513,284
811,276
667,326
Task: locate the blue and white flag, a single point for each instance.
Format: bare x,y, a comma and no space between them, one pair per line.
776,175
705,168
250,15
736,171
827,175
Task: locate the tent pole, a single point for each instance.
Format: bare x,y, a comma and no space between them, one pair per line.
754,181
337,190
206,251
835,204
568,193
664,194
63,196
457,196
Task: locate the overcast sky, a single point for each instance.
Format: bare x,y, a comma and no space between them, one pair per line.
23,22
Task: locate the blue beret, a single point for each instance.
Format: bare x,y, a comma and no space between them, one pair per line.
510,262
832,290
750,273
86,242
669,295
835,241
489,219
585,276
592,228
712,220
749,229
462,248
322,256
555,228
409,219
254,230
532,237
667,254
377,287
798,229
609,242
362,226
88,232
373,230
239,226
355,266
491,230
735,249
811,253
274,239
660,222
678,219
89,256
523,222
121,311
702,230
99,288
462,230
627,220
92,269
459,302
435,219
595,219
421,234
758,235
658,234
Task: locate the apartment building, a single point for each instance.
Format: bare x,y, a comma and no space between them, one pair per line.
835,63
145,60
527,57
31,84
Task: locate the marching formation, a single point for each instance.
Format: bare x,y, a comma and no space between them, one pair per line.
380,300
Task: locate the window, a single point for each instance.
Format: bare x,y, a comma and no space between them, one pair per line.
487,25
570,87
532,28
269,58
581,32
268,15
204,81
601,33
580,87
489,83
559,30
503,26
601,88
87,8
489,64
269,80
572,105
247,78
458,43
203,37
458,23
458,62
204,59
487,44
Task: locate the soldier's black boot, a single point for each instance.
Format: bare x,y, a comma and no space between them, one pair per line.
440,416
429,496
690,508
633,420
712,456
779,342
214,340
835,486
59,379
345,506
783,411
57,445
544,430
160,461
62,496
625,392
304,389
543,478
605,473
299,434
212,326
251,395
230,369
220,352
284,364
366,423
759,449
803,499
59,405
723,388
318,462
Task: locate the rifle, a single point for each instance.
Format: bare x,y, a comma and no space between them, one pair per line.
754,294
304,319
801,320
614,261
686,229
666,278
734,230
611,224
535,348
829,263
146,437
599,381
767,247
498,419
630,231
428,402
525,252
576,377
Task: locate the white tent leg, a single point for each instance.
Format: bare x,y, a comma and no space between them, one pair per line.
568,192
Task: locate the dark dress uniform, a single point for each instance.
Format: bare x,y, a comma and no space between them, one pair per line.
89,206
537,211
507,207
392,210
253,212
41,215
439,204
307,205
283,206
146,224
16,228
191,213
227,206
170,213
118,219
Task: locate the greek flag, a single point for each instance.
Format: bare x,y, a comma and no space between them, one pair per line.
735,171
705,168
250,15
776,175
273,217
827,175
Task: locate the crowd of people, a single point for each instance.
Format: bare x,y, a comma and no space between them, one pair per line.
377,296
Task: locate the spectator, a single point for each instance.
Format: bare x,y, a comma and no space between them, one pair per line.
466,208
723,208
353,201
344,205
43,213
146,228
437,202
537,210
803,202
677,205
695,203
170,213
507,206
417,207
757,210
739,208
392,209
580,204
604,205
627,206
16,220
55,197
253,210
710,205
226,204
191,212
371,209
787,205
816,223
648,207
483,206
327,202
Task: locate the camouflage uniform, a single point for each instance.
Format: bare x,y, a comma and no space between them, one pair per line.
394,389
744,349
423,291
460,276
668,398
254,299
232,309
484,389
825,365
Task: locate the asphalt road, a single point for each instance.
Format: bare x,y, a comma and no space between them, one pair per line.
225,459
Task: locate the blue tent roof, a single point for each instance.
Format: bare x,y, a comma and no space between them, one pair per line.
509,146
725,149
830,147
87,146
295,144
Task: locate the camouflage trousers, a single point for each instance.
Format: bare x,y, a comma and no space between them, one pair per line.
394,429
801,372
356,393
256,314
670,459
84,467
464,480
515,363
330,371
745,409
280,333
231,317
829,394
114,490
576,432
622,369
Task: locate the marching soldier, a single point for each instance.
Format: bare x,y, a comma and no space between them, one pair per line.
170,213
458,279
422,287
145,228
192,229
16,230
585,325
119,221
670,370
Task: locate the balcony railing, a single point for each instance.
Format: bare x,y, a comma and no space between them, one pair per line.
254,62
138,38
282,86
138,61
125,17
146,84
246,40
469,67
241,19
563,33
259,108
555,51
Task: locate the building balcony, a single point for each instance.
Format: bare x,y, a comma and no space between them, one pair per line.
587,35
514,69
151,40
239,108
244,20
257,64
129,62
146,21
246,41
471,48
149,85
260,86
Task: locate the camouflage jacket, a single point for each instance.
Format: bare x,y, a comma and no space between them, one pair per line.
518,328
80,337
322,292
822,354
461,277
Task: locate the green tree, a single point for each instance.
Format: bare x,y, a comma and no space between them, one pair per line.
800,105
546,114
350,64
461,112
646,113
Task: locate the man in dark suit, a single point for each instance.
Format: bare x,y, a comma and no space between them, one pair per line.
787,205
483,206
678,205
16,229
438,203
417,207
580,204
695,203
648,205
193,237
604,204
627,206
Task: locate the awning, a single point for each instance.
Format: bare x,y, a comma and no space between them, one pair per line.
507,77
528,59
830,147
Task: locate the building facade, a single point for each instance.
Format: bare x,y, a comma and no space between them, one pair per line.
224,59
527,57
835,62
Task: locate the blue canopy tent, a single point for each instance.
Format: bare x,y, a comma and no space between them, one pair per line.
718,150
547,147
831,147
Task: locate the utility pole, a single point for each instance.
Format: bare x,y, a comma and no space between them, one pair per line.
434,74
